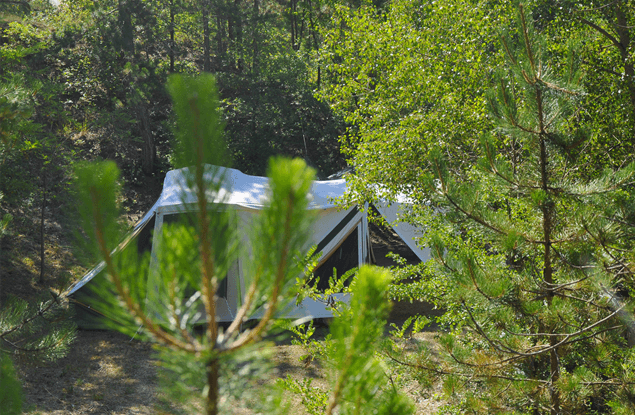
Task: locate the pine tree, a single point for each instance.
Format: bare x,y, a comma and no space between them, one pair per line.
357,375
194,256
29,333
539,258
11,391
32,334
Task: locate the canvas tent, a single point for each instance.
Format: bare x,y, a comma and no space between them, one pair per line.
341,236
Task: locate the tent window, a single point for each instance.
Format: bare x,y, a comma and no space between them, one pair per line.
344,258
187,218
144,240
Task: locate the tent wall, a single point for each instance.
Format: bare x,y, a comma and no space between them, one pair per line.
247,196
82,294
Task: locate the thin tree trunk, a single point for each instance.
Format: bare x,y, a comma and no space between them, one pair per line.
171,36
316,44
293,24
212,384
624,34
149,148
255,22
238,27
547,227
125,26
1,235
206,50
220,35
42,226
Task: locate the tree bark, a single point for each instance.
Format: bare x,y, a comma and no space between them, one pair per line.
254,31
238,33
547,209
125,26
42,225
624,36
171,36
212,384
293,9
149,148
206,50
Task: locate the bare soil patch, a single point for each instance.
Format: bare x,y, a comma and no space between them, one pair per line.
104,373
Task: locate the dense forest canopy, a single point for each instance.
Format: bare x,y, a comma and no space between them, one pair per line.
86,80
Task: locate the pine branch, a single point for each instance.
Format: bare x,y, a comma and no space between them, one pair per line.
133,306
272,304
603,33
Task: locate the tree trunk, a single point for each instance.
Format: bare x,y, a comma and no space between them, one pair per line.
125,26
238,29
149,149
623,31
206,51
171,36
212,384
254,31
547,225
1,236
316,44
42,225
220,36
293,24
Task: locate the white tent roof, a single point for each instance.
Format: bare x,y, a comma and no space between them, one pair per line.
240,189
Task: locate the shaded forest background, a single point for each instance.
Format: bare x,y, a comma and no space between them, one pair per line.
85,80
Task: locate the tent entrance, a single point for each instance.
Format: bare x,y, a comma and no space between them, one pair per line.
383,240
343,258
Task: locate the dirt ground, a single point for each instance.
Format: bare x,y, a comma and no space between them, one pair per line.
109,373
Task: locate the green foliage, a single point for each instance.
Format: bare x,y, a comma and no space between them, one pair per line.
197,115
604,36
11,391
103,176
358,379
35,333
407,79
313,399
273,112
4,222
528,258
315,350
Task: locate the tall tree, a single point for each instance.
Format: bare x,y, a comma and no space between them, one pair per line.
539,259
406,79
605,31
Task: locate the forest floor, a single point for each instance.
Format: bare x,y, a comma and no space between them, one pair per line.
109,373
